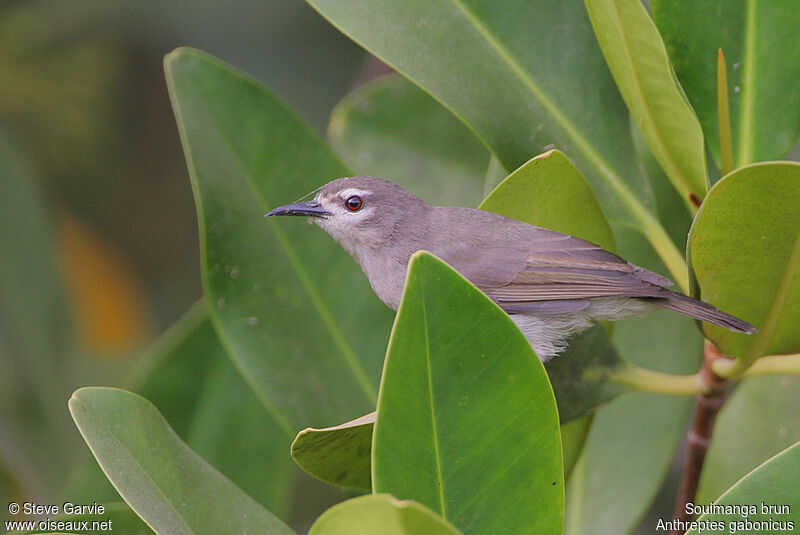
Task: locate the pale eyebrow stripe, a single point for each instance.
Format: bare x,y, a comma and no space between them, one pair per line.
354,191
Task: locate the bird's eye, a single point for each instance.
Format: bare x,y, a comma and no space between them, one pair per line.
354,203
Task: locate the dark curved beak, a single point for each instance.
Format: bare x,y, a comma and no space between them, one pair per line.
310,209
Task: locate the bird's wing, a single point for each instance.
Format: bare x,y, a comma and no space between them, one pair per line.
562,270
528,269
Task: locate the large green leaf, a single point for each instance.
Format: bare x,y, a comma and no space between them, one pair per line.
525,75
168,485
380,513
467,422
773,484
297,316
392,129
760,419
548,191
744,249
638,60
762,49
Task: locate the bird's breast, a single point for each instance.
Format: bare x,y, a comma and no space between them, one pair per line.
386,274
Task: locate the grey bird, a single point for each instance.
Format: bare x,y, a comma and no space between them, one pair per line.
552,285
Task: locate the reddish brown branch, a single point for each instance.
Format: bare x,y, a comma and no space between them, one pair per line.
698,439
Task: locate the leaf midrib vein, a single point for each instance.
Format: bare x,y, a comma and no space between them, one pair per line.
305,280
605,170
436,453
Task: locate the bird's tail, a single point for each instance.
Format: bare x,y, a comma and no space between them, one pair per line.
704,312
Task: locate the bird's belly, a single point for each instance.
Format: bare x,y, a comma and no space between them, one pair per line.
548,333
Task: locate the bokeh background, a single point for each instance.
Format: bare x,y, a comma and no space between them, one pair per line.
87,130
107,258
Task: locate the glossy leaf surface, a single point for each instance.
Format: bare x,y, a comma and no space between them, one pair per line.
526,76
638,61
168,485
762,49
548,191
467,422
744,249
190,378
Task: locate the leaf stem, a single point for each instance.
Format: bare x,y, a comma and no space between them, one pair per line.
772,365
724,115
698,439
644,380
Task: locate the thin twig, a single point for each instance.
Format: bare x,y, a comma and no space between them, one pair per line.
699,437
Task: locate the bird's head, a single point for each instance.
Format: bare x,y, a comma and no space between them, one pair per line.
358,212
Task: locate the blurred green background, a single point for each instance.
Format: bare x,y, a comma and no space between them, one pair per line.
98,236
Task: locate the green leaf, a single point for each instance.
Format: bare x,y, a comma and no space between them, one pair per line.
671,210
524,75
762,48
638,60
548,191
744,249
774,483
121,521
293,310
758,420
392,129
380,513
168,485
340,455
467,422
